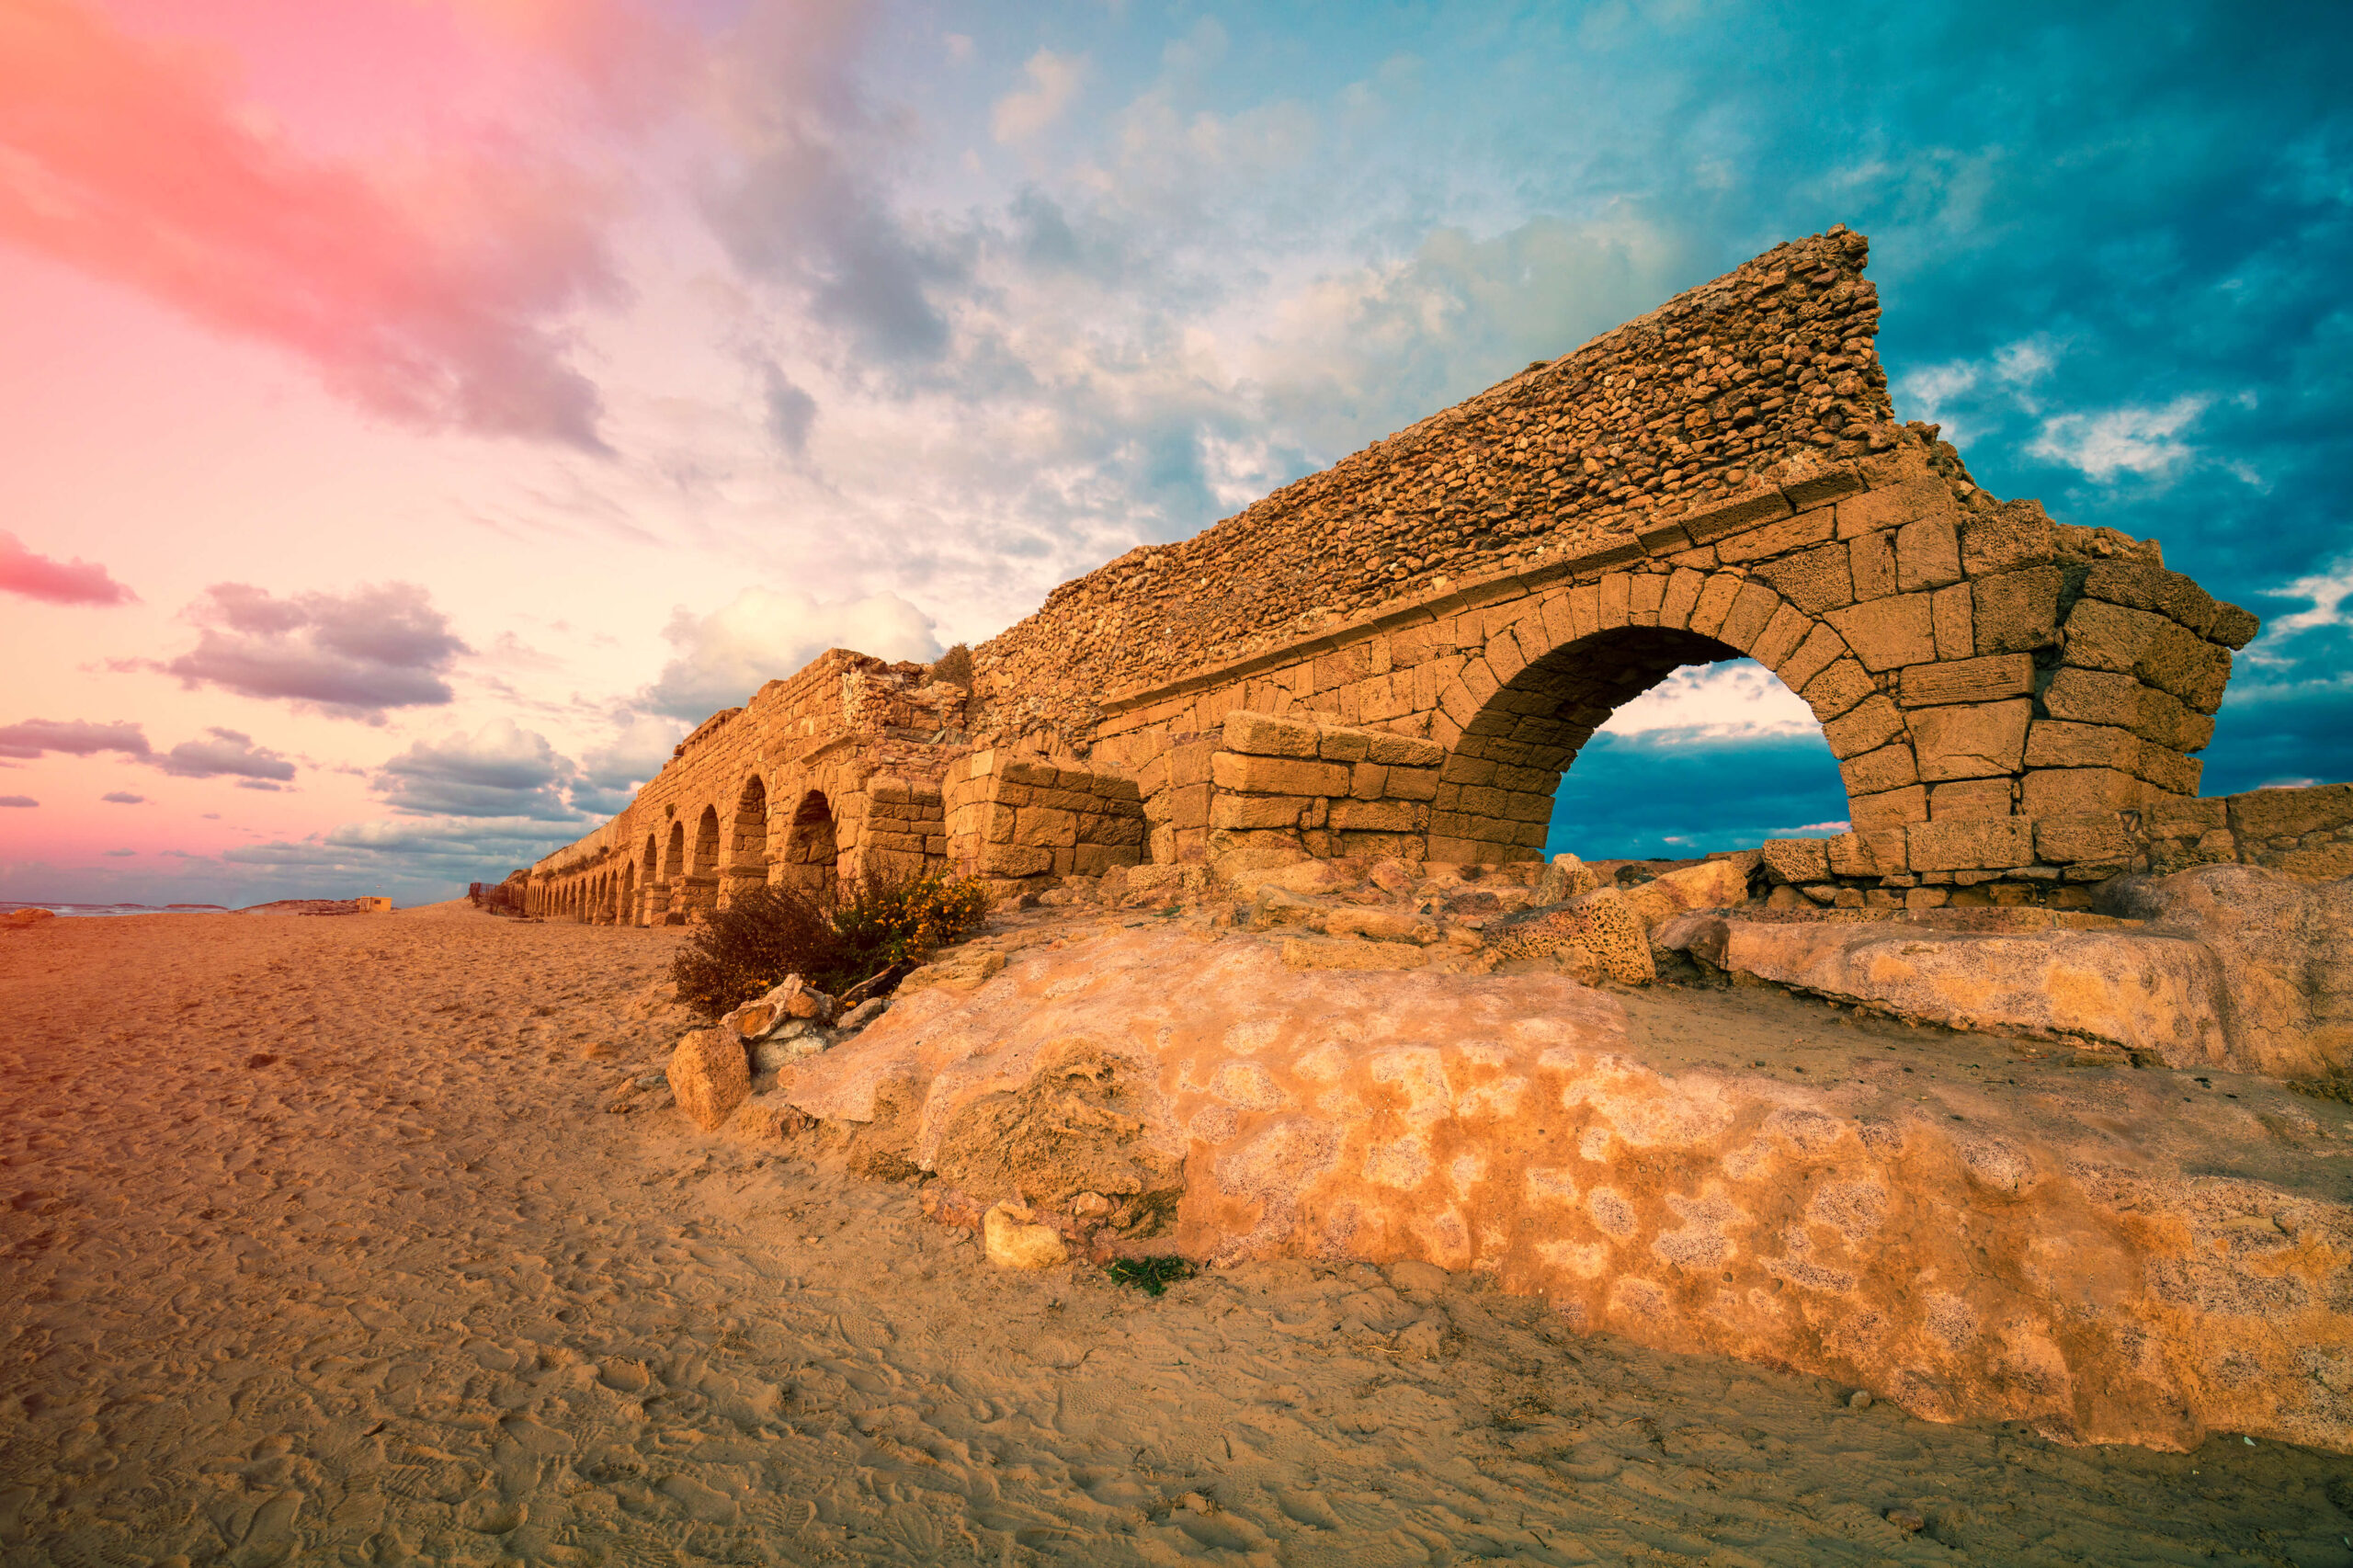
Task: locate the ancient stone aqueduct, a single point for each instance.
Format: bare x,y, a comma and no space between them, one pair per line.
2015,703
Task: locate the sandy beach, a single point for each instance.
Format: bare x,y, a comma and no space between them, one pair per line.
316,1245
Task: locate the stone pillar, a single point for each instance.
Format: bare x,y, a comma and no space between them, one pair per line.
693,898
735,879
1013,819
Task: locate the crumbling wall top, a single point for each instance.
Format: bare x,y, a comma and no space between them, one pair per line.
1676,410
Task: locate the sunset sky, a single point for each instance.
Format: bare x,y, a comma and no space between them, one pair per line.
416,413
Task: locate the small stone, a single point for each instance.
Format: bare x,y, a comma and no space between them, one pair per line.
796,998
1422,1340
865,1012
1412,1274
1392,876
1013,1244
753,1020
1859,1400
1906,1520
1564,880
1090,1206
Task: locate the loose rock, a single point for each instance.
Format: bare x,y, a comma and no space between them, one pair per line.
710,1076
1013,1242
1602,921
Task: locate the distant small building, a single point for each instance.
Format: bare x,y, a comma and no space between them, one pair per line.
374,905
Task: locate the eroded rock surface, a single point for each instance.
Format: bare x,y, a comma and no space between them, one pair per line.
2157,996
2235,967
2062,1247
2284,948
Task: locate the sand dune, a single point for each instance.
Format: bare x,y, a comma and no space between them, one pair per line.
315,1245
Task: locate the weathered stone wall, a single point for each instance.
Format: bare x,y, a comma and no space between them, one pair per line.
1969,660
2055,860
831,772
1722,478
1011,817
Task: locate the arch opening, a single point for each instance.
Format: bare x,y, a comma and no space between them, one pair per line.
706,842
1692,774
751,846
810,852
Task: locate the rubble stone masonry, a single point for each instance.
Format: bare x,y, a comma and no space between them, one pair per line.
1402,654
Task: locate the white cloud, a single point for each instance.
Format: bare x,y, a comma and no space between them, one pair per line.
1739,699
642,743
766,634
2134,440
352,655
500,771
1942,394
2027,361
229,751
2329,593
1054,81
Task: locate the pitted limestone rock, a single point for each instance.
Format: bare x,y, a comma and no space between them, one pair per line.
1603,923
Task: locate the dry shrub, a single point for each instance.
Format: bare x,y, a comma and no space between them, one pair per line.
832,939
955,667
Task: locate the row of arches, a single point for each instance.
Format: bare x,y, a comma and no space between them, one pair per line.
696,865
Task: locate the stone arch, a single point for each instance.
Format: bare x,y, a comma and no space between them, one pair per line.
652,890
747,835
750,845
674,863
625,909
811,846
706,862
1515,717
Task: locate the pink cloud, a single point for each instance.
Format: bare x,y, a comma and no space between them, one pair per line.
74,582
429,288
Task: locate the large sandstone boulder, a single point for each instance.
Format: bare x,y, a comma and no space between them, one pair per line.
2284,948
1711,884
2234,967
2159,997
2080,1249
710,1076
